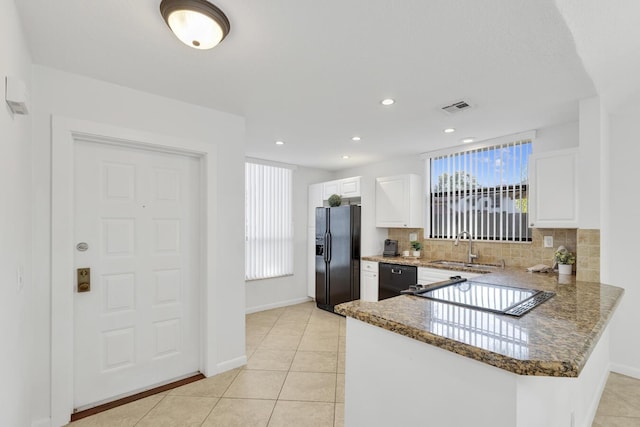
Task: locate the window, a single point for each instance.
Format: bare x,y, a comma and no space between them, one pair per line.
481,189
268,221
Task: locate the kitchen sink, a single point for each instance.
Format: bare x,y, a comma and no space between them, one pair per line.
466,264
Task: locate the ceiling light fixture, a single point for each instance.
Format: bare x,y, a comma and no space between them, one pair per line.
196,23
387,101
279,142
355,138
449,130
467,140
345,157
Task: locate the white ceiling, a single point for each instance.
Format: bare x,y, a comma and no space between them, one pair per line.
312,73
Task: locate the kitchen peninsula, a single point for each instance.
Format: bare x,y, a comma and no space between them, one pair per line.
413,361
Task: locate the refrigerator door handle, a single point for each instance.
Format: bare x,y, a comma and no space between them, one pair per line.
325,252
328,247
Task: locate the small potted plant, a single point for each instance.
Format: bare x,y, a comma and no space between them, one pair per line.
565,260
335,200
416,245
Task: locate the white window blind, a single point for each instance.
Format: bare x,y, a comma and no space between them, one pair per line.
481,190
268,221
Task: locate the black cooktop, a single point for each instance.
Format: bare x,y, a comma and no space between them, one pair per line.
500,299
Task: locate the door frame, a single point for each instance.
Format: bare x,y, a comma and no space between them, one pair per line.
64,133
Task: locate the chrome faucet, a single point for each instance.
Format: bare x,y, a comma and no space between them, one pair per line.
471,255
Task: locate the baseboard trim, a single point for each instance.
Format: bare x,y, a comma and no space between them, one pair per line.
264,307
123,401
629,371
44,422
228,365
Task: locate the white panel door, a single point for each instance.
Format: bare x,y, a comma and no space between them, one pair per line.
138,326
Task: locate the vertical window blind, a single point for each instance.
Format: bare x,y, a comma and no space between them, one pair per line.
268,221
481,190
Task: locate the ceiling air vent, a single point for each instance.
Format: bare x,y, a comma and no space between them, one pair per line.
456,107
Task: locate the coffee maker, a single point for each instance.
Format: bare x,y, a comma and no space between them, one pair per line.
390,248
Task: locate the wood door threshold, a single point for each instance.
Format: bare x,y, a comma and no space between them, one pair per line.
110,405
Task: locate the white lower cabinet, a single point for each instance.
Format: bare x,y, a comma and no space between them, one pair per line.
427,276
369,281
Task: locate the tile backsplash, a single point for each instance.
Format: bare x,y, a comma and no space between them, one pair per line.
588,255
584,243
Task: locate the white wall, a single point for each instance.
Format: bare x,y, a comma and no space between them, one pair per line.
281,291
62,94
558,137
621,235
16,303
592,123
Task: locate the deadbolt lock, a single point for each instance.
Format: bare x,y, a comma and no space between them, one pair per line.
84,279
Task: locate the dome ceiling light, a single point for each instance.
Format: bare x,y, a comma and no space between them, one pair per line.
197,23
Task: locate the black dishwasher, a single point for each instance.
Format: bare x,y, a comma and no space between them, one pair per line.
395,278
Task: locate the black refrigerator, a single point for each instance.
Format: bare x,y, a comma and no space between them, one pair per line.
337,255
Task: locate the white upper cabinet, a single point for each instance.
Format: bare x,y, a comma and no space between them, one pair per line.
553,189
399,201
346,188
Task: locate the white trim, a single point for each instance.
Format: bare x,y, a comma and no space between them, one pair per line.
270,163
506,139
287,303
627,370
43,422
63,134
227,365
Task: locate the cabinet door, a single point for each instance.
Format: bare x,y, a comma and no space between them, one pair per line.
369,291
553,189
329,188
391,201
369,281
350,187
399,201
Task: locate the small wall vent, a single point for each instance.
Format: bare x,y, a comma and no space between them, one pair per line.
456,107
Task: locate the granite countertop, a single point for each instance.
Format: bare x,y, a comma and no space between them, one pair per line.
554,339
419,262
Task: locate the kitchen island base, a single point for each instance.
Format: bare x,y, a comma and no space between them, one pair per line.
392,379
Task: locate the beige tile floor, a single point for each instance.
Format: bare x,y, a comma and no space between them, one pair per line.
295,377
620,403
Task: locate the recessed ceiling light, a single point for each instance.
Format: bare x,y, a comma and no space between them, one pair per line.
449,130
196,23
387,101
345,157
355,138
467,140
279,142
